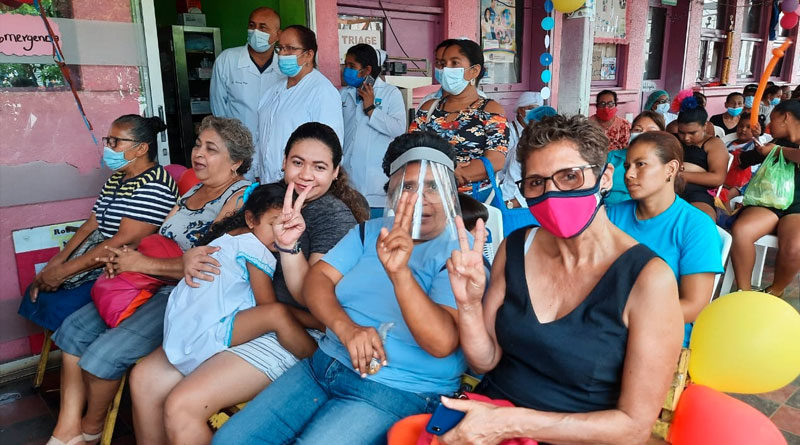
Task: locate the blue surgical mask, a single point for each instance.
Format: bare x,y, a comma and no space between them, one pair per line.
453,80
288,65
351,78
735,111
662,108
437,74
748,101
115,160
258,40
775,101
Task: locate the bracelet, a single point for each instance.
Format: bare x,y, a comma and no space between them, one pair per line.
369,108
293,251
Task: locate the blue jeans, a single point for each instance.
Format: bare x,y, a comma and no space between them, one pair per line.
320,400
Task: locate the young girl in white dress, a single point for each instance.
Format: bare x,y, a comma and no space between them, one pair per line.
239,304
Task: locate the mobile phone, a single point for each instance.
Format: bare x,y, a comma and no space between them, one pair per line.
369,80
443,420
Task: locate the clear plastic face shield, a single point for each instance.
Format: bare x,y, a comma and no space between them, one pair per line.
427,175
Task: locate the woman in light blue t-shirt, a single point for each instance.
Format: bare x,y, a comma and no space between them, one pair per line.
681,234
383,293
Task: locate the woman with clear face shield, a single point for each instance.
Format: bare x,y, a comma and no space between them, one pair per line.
383,293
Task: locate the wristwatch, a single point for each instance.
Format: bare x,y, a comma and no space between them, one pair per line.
293,251
369,108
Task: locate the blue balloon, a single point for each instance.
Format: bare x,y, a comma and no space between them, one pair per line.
548,6
548,23
546,59
546,76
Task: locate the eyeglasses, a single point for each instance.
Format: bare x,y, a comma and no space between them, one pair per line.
429,189
567,179
112,141
606,104
280,49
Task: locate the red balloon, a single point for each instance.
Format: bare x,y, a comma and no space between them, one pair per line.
709,417
789,20
187,181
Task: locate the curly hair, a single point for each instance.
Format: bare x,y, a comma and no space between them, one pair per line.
263,198
590,140
236,136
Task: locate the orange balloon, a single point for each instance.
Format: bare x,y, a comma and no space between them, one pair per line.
709,417
777,53
407,431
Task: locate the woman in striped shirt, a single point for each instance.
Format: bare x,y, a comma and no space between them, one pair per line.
132,204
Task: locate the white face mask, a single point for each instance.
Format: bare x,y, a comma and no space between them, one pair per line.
258,40
662,108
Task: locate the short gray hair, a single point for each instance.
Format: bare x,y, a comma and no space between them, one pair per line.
236,136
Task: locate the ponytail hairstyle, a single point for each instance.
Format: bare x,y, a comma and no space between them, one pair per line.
667,148
144,130
261,198
340,187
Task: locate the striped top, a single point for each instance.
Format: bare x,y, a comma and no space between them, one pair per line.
148,198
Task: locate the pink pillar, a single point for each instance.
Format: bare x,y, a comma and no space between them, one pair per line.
328,38
461,19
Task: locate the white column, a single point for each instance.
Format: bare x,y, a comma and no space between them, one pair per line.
575,71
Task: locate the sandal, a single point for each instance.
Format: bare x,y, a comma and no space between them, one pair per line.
768,290
92,438
74,441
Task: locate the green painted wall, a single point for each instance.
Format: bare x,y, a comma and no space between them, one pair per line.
231,17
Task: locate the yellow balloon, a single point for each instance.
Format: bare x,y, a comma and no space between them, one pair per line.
567,6
746,342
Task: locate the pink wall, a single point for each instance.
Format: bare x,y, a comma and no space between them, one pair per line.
45,126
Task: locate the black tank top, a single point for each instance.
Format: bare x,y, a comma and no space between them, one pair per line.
572,364
696,155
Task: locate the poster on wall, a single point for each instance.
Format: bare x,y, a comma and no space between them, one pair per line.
610,19
34,247
499,40
608,68
354,30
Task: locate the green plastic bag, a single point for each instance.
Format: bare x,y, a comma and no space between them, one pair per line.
773,184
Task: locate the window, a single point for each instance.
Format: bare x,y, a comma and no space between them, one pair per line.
713,34
604,64
37,75
781,69
654,46
753,42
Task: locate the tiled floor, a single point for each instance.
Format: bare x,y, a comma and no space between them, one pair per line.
28,416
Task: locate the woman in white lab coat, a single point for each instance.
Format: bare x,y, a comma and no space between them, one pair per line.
374,114
305,96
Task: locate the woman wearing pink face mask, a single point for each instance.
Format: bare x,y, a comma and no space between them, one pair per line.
617,130
580,325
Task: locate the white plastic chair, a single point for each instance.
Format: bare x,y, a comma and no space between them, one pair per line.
730,162
495,228
728,138
719,132
762,244
727,240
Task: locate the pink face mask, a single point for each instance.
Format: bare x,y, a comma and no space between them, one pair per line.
566,214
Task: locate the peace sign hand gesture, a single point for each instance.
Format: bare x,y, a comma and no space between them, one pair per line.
394,248
290,225
465,266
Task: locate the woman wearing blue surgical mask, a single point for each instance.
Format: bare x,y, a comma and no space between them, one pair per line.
132,204
602,308
730,118
476,127
306,95
374,114
658,101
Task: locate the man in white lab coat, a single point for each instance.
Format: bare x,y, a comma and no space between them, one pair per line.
243,74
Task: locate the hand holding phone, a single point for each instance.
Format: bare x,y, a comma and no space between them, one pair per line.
443,420
369,80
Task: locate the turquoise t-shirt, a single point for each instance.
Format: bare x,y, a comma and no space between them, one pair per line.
683,236
619,191
367,296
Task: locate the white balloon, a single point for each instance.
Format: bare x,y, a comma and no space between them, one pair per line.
547,41
546,93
